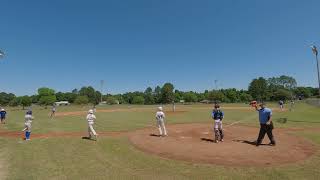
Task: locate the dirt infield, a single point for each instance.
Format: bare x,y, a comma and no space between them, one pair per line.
193,143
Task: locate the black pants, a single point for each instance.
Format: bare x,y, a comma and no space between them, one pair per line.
265,128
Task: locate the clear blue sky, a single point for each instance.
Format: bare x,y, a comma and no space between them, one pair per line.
66,44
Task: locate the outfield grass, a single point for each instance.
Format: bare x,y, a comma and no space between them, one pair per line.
116,158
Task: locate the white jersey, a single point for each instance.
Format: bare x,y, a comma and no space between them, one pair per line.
160,116
28,118
91,118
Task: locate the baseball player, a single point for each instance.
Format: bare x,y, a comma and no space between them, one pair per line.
53,111
160,122
217,116
91,119
3,114
281,104
27,125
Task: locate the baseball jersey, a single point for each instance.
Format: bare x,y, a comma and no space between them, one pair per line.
3,114
160,116
91,117
28,118
217,114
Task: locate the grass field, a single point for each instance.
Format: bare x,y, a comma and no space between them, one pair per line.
115,158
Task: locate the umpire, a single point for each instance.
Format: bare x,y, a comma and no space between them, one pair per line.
266,125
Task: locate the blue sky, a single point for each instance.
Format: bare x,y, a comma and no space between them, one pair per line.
135,44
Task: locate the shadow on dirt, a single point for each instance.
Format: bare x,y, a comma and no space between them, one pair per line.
207,140
249,142
155,135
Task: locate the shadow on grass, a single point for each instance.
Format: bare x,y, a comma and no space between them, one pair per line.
297,121
88,139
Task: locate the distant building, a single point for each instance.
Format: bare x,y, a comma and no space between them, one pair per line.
62,103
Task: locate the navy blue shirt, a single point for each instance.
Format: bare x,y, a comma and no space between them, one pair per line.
264,115
3,114
217,114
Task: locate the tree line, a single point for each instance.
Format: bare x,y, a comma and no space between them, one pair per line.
262,89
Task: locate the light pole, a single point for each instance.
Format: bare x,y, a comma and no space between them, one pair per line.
315,52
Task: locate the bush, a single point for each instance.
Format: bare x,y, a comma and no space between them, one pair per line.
138,100
112,100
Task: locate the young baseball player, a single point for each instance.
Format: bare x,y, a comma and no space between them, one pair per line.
27,125
281,104
3,114
91,119
53,111
160,122
217,116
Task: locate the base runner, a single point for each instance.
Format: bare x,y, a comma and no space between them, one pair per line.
91,118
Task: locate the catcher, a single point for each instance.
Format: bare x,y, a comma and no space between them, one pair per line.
217,116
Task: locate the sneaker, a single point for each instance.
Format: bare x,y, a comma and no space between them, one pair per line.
272,144
216,141
222,140
27,139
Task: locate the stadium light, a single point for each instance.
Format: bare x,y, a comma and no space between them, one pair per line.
315,52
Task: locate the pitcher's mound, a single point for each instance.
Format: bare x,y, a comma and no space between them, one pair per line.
194,143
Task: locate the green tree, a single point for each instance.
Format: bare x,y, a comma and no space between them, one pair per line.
81,100
231,95
111,100
190,97
245,97
282,94
25,101
138,100
5,98
46,96
90,93
216,96
167,95
148,96
258,89
303,92
14,102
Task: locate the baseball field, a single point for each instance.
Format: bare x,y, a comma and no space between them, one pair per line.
128,146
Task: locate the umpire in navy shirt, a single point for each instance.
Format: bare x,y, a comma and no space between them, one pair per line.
266,125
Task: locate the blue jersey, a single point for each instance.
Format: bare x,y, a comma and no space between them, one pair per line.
217,114
264,115
3,114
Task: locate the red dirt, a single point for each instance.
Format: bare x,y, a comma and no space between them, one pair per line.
192,143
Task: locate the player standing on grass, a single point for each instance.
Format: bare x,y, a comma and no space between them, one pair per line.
217,116
91,118
27,124
3,114
281,104
266,125
53,111
160,122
